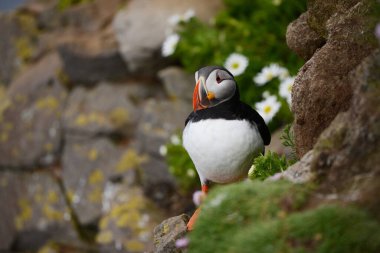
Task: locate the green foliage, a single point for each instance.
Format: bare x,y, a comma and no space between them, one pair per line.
287,139
229,209
254,28
181,167
267,165
64,4
263,217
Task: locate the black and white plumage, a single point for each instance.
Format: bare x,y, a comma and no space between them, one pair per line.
222,135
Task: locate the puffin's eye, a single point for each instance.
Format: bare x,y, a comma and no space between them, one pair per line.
218,79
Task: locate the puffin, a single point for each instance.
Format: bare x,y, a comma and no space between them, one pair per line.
222,135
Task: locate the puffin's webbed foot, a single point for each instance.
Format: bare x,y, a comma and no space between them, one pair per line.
191,223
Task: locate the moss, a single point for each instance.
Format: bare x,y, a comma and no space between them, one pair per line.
25,214
91,118
130,160
230,208
104,237
134,246
335,138
119,117
24,48
64,4
96,177
266,217
50,103
51,213
95,196
93,154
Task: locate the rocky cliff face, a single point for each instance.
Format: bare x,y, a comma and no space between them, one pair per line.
336,108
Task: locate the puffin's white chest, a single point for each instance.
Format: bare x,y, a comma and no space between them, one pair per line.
222,150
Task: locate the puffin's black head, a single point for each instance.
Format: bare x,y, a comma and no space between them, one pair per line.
214,85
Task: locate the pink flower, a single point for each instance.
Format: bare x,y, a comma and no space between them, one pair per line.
182,243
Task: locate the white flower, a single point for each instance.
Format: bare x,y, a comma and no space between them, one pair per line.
251,170
189,14
170,44
286,89
190,172
178,18
198,197
163,150
266,94
268,108
173,20
270,72
236,63
175,140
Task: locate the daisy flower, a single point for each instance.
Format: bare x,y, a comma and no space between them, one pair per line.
268,108
178,18
236,63
175,140
170,44
286,89
163,150
189,14
270,72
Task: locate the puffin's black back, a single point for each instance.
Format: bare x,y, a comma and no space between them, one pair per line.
233,109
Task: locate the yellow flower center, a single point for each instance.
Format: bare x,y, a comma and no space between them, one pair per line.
290,88
267,109
235,65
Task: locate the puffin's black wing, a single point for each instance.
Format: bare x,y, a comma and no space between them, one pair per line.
253,116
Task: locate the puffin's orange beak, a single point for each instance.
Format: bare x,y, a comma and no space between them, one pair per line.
201,96
196,97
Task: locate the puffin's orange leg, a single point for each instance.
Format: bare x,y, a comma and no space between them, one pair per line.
193,219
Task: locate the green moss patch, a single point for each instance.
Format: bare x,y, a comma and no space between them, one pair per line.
267,217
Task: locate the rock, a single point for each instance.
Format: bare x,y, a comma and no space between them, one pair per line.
30,126
140,29
99,160
36,211
105,109
159,120
16,46
177,83
88,17
90,62
305,45
168,232
320,90
300,172
347,152
128,219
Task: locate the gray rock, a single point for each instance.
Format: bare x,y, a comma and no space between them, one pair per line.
159,120
16,45
347,152
105,109
90,66
128,219
177,83
99,160
35,211
305,45
142,25
87,17
320,90
30,127
168,232
301,171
